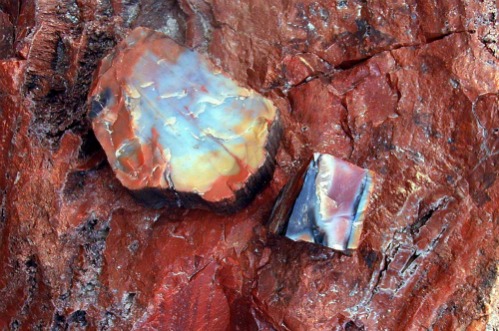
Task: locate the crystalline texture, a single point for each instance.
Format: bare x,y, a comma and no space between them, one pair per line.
325,204
173,126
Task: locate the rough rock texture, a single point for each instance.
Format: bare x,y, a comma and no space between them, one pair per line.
408,89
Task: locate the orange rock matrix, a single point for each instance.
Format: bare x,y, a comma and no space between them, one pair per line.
407,89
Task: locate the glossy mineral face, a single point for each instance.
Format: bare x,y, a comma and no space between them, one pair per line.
167,118
330,207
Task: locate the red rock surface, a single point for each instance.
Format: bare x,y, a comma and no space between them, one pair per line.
407,89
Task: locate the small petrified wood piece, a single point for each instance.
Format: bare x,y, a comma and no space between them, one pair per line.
325,203
178,131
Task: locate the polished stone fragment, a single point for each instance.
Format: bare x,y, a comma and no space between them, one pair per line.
176,129
325,203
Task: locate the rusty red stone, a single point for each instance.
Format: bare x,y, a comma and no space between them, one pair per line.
178,130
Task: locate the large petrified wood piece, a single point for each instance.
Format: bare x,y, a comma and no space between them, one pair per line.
176,130
406,89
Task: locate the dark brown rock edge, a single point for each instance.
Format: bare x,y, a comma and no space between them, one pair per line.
407,89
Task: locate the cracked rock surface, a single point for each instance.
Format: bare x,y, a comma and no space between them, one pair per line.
407,89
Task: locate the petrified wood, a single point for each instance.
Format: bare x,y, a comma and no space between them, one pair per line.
324,204
407,89
176,130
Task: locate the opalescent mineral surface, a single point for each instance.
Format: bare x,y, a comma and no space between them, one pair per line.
169,119
325,204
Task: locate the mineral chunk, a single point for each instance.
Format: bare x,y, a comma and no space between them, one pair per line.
325,203
177,130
